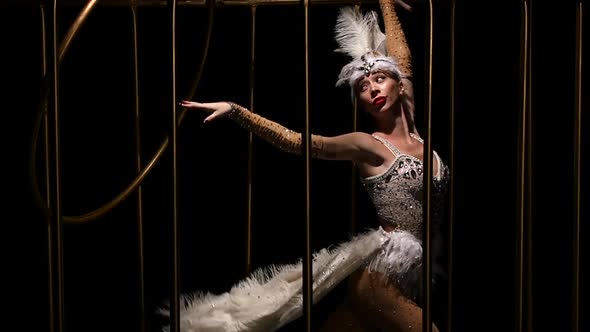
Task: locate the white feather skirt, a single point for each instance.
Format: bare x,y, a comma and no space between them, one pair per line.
272,297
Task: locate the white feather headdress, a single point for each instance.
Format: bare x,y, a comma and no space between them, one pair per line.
360,37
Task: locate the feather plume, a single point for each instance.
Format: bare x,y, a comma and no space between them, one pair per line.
357,34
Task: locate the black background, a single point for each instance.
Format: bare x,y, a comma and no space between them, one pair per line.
96,103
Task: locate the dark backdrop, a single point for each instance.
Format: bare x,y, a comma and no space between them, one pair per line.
97,122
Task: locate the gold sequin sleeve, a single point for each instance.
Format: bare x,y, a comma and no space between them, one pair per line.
397,46
272,132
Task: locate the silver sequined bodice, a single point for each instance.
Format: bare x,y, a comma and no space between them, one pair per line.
397,192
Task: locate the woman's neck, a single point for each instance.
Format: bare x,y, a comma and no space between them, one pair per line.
397,127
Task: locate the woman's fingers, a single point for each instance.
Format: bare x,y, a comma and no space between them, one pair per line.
216,109
404,5
197,105
187,104
210,117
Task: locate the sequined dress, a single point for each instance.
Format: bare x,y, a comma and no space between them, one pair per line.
271,297
397,196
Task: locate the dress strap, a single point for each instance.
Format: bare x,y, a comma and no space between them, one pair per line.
396,152
417,138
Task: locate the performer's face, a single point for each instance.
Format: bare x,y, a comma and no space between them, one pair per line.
378,92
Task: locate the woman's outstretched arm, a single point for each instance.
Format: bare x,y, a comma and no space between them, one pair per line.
353,146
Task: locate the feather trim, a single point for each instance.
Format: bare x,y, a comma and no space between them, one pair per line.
357,34
271,297
400,262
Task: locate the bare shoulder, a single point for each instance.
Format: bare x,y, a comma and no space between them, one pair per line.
355,140
356,136
352,146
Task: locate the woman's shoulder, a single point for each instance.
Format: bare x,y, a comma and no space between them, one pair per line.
366,138
358,139
356,136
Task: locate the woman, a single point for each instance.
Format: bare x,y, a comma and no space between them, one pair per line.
384,265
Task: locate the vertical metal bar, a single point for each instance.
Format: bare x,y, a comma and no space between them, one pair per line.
55,230
50,265
524,254
354,175
251,141
210,20
529,183
577,169
140,236
521,162
451,204
427,247
307,259
175,305
55,222
354,169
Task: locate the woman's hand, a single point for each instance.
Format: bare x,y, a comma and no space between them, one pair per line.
218,109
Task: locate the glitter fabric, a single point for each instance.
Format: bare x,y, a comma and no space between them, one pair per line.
272,132
397,192
397,196
396,44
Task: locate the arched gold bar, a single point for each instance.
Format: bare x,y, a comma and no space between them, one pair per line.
74,28
124,194
42,116
210,20
577,169
79,219
140,234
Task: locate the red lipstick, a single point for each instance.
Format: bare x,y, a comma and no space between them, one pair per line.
379,101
